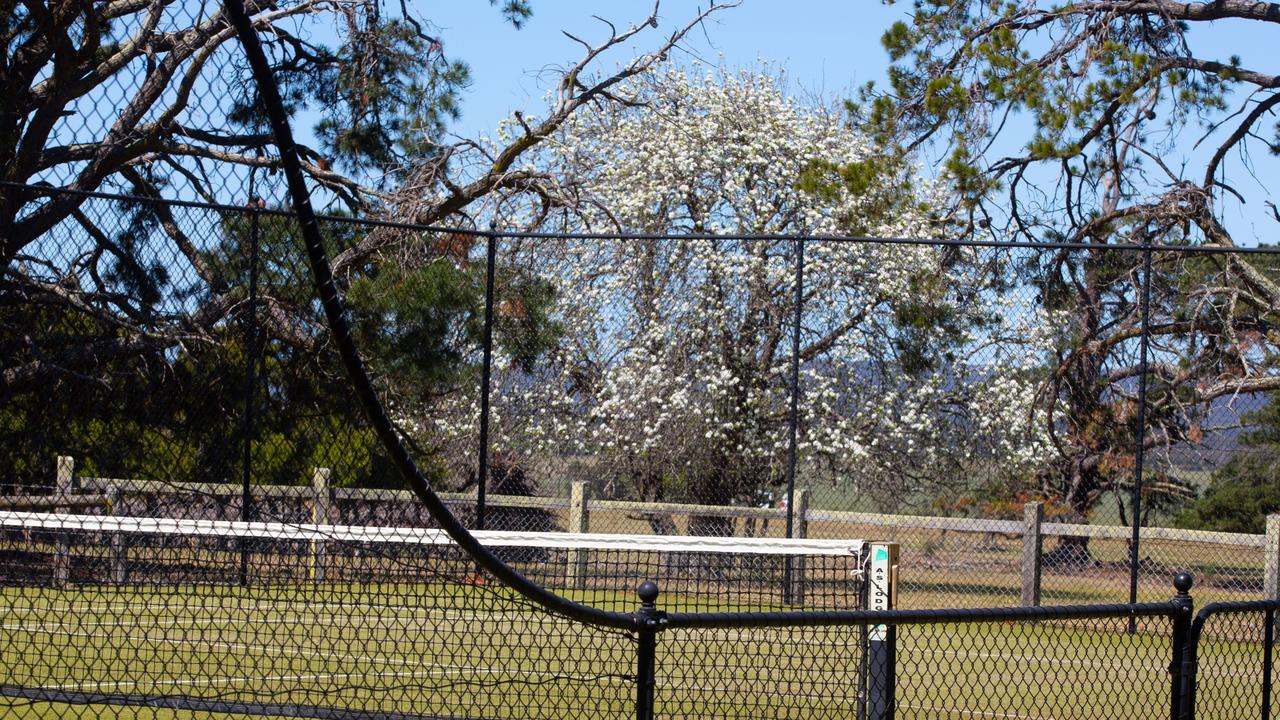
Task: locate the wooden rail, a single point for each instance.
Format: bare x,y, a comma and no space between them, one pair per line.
319,495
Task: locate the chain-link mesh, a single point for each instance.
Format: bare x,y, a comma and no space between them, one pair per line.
1052,666
164,359
192,358
1235,671
365,629
156,382
1056,669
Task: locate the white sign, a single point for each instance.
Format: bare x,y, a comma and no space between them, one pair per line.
880,585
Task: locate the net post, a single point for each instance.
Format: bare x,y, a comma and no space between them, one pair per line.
1182,663
62,547
1032,544
881,645
116,546
319,516
579,522
647,620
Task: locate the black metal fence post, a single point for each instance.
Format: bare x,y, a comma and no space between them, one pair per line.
486,371
1268,637
793,420
1182,672
251,341
647,618
1139,454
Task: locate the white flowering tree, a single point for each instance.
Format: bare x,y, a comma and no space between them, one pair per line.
671,374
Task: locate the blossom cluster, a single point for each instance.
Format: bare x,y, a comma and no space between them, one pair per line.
673,370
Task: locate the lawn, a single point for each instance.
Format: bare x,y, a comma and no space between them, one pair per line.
477,651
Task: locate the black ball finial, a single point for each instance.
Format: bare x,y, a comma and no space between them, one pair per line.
648,592
1182,582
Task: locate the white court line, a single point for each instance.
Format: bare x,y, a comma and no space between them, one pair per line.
266,650
975,713
447,670
296,612
389,622
276,606
211,682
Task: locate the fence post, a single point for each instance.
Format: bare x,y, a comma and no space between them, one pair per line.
1182,665
646,649
251,337
1271,560
1032,543
801,530
62,546
793,413
486,374
319,516
115,545
880,678
1268,645
579,522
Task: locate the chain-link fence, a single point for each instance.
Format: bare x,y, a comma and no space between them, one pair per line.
1232,647
967,402
198,518
155,409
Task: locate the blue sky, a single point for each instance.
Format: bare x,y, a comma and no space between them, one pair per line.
826,47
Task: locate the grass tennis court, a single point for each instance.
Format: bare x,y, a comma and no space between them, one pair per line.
432,648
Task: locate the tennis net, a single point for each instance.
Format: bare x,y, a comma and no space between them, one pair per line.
707,573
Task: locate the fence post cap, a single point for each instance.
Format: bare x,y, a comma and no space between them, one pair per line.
648,592
1182,582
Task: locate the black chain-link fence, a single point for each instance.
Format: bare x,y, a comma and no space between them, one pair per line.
197,518
966,402
1233,661
146,401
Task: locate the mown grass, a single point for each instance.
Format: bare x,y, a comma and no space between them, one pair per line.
468,651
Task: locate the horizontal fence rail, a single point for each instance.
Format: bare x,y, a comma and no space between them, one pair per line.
319,501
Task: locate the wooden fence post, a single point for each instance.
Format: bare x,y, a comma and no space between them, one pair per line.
799,529
320,502
62,546
1032,542
116,547
1271,560
579,522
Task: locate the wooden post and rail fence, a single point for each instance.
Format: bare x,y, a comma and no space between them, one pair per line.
318,498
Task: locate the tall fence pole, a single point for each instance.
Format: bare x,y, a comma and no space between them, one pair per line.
486,371
250,383
1139,451
793,418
